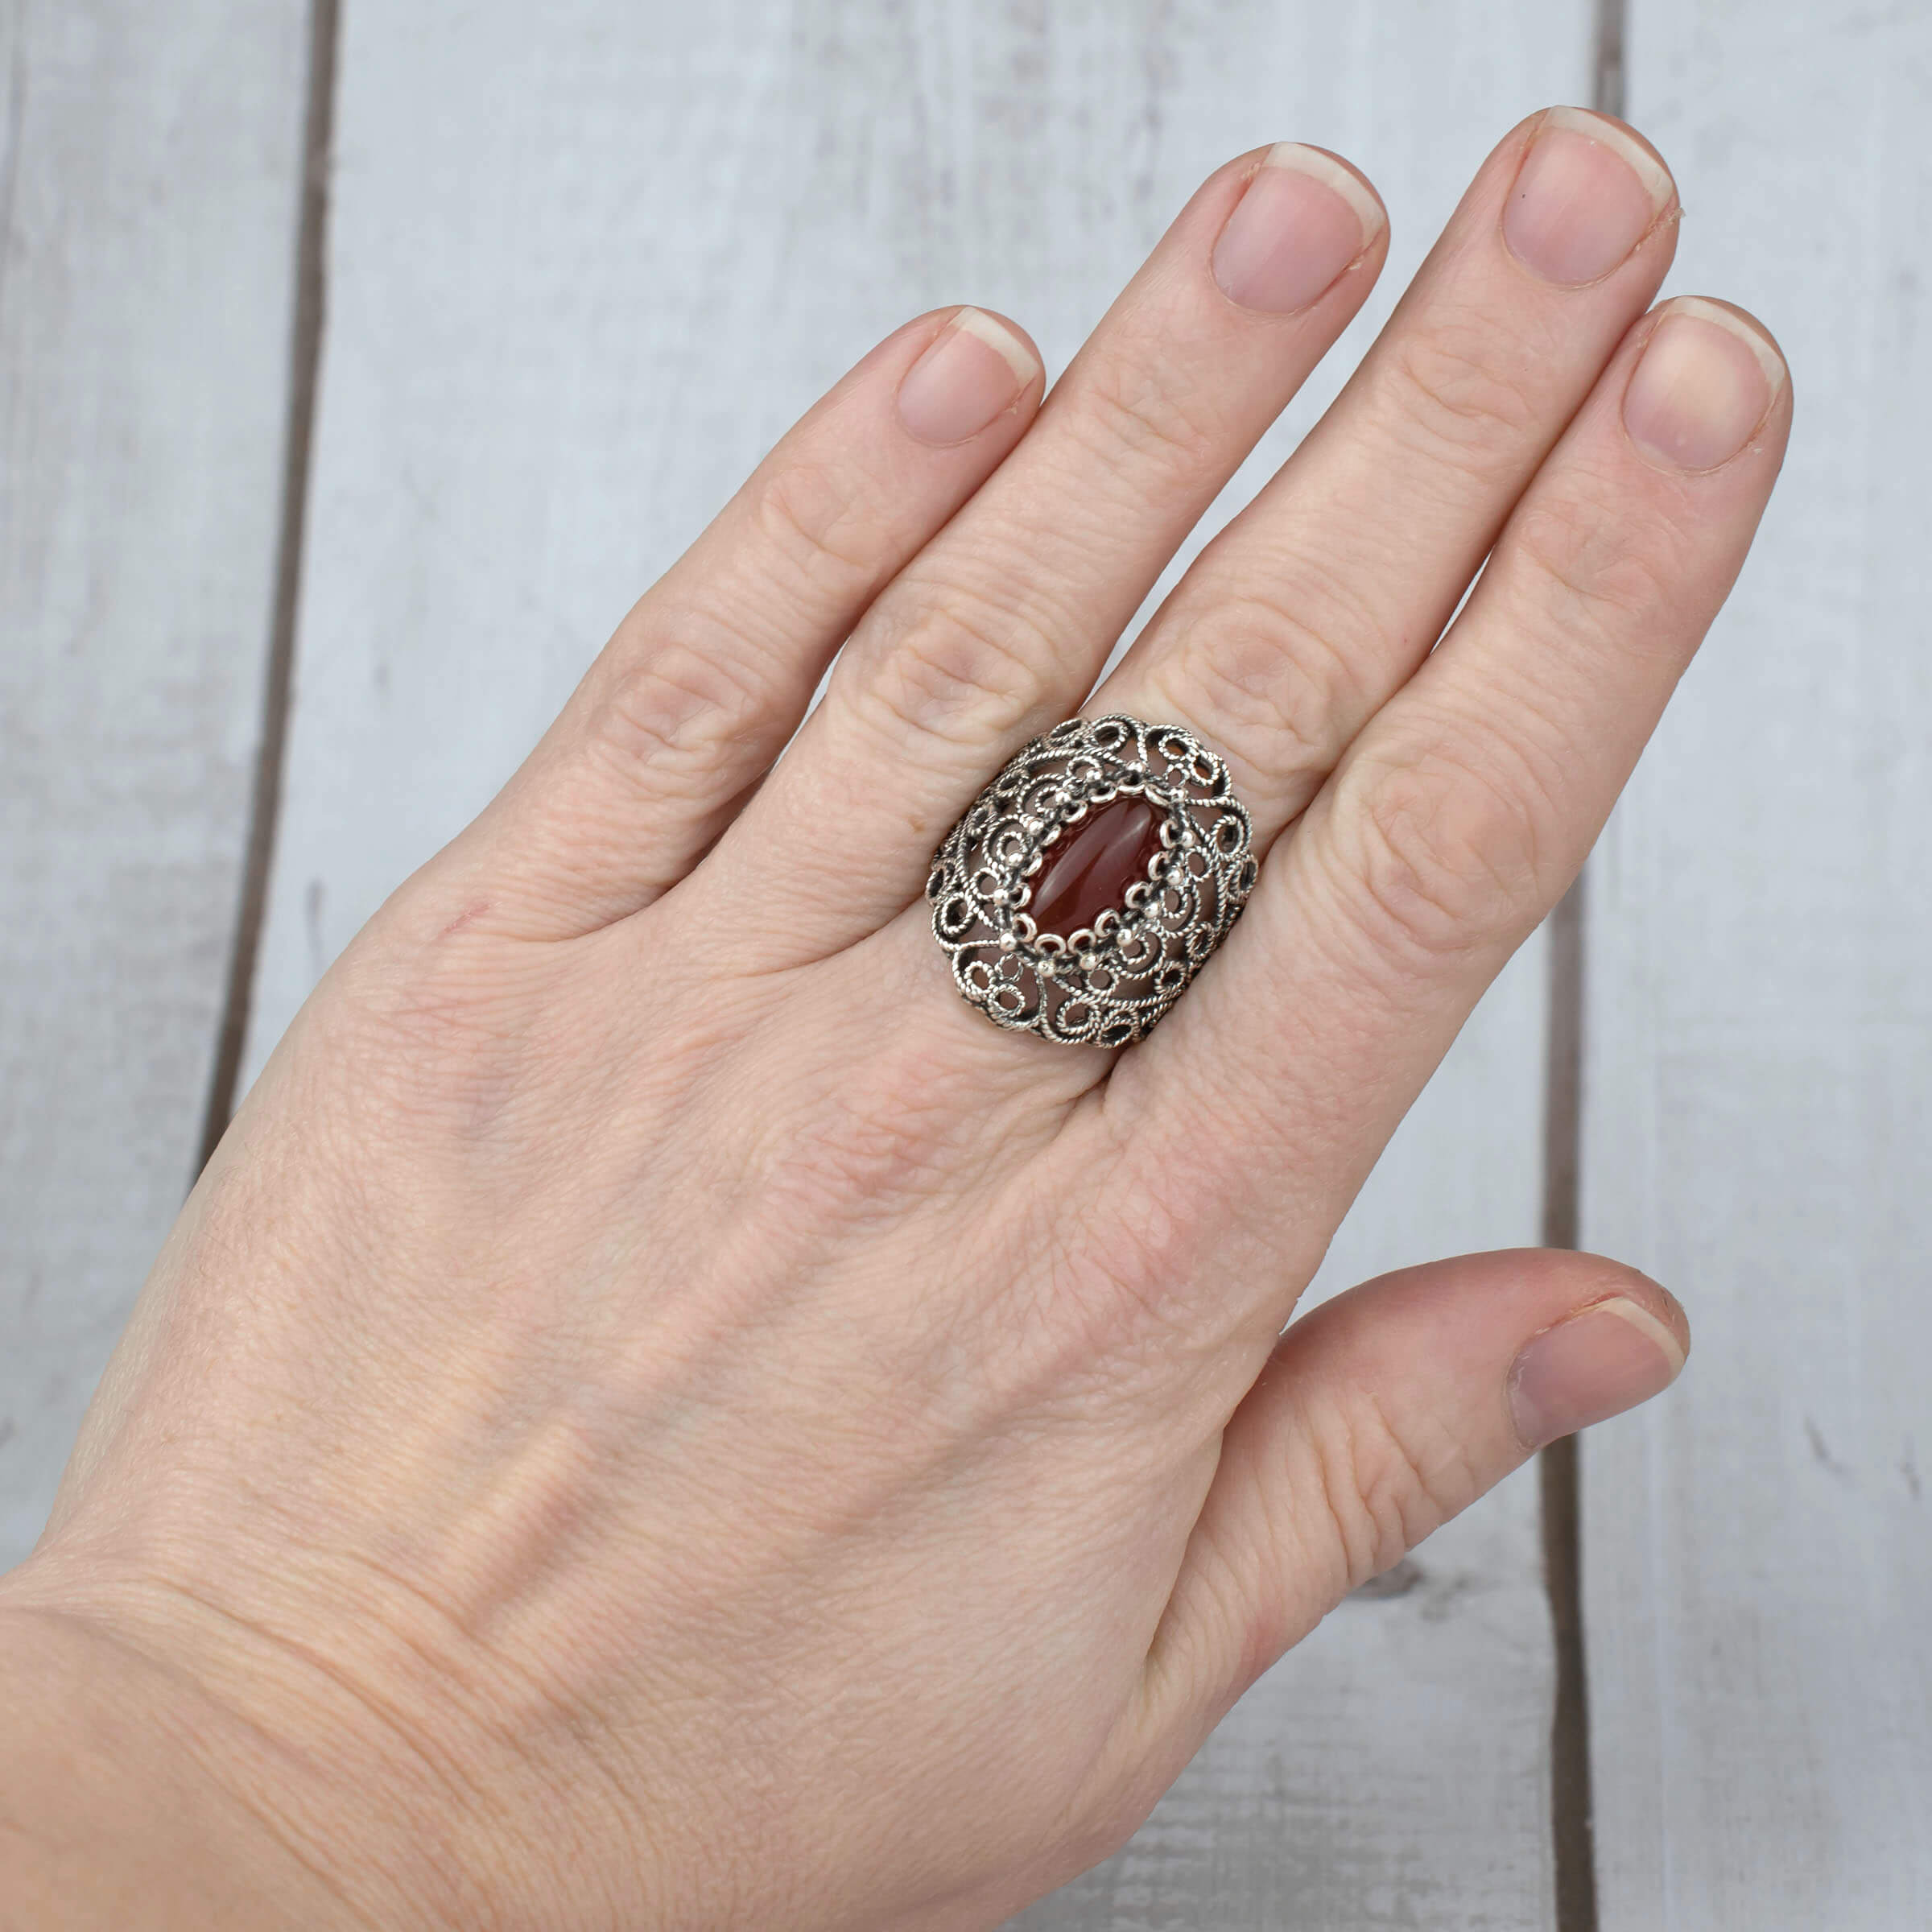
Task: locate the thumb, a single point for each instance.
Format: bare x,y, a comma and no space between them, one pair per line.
1379,1416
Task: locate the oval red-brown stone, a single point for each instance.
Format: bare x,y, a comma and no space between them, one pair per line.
1089,867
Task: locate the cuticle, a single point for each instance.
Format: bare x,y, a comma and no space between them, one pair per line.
1582,1309
1512,1380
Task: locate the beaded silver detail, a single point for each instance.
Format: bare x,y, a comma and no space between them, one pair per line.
1107,985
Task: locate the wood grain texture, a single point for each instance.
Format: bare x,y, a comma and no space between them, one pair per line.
580,278
1757,1551
148,178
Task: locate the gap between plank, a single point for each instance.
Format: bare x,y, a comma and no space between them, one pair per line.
305,357
1573,1853
1570,1801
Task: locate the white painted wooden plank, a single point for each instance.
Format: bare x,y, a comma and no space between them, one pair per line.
1757,1559
579,280
149,163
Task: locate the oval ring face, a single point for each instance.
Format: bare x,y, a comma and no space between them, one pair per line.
1133,827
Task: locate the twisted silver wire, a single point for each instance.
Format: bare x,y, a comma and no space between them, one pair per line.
1109,984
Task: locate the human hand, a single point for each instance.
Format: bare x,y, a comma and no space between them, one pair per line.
658,1414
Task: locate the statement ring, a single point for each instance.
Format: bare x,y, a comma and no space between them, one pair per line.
1088,883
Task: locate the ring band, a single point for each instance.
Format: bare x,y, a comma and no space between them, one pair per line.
1089,883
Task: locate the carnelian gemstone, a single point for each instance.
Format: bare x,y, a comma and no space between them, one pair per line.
1089,867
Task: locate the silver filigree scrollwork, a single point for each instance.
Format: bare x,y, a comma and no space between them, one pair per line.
1107,985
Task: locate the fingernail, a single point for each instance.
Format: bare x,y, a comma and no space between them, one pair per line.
1705,382
1587,193
1613,1355
973,372
1303,219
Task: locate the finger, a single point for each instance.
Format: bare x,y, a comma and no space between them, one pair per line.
1316,603
1464,810
1000,625
710,673
1322,596
1380,1415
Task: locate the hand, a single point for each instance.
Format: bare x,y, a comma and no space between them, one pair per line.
657,1414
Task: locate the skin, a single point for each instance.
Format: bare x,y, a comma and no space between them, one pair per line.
656,1414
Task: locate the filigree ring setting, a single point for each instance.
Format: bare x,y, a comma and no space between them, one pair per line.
1088,883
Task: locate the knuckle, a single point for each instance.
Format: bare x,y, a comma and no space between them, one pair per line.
1445,851
961,668
679,706
1129,409
887,1132
1465,390
1602,569
823,533
1276,671
436,1029
1382,1486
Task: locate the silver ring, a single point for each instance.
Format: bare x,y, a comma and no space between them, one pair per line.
1131,828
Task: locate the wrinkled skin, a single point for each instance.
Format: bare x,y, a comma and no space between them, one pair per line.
658,1414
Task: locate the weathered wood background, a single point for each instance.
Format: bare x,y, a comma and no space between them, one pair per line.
579,265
